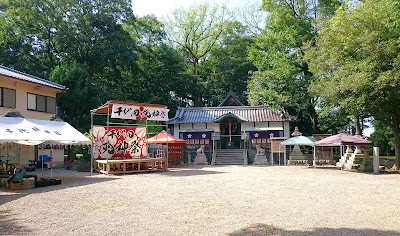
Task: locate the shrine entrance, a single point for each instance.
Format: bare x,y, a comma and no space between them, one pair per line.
230,133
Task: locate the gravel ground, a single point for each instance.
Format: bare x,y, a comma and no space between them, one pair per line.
211,200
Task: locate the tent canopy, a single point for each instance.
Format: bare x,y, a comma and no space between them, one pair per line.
164,137
33,132
341,140
299,140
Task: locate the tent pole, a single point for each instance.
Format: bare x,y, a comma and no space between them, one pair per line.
91,154
166,129
51,160
108,137
41,159
284,154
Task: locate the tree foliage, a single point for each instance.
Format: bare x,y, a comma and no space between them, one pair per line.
196,31
228,66
356,61
383,138
282,78
97,48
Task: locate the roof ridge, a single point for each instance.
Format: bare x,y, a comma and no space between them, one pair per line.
54,84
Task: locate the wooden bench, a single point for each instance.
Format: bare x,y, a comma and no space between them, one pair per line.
134,165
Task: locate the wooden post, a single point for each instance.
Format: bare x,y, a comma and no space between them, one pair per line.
376,160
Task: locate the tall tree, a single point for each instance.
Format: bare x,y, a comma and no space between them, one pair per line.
27,41
283,77
383,138
356,61
195,31
228,66
161,67
39,36
82,87
92,34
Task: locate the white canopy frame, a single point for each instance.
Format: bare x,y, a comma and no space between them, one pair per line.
33,132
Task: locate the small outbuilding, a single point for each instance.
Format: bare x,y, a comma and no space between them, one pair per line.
351,159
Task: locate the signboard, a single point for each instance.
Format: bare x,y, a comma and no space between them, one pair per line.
124,111
119,142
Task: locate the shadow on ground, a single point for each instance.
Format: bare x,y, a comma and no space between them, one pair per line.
7,195
9,226
263,229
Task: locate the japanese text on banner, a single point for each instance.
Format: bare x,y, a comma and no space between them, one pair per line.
123,111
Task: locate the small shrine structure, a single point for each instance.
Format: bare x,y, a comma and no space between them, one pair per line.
297,157
357,159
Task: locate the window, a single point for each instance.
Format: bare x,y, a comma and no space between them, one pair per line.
51,105
7,97
31,101
41,103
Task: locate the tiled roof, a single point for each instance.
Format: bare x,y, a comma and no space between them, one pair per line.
29,78
186,115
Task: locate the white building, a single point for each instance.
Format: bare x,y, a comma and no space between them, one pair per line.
230,131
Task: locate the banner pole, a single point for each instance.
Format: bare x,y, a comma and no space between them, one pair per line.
91,154
108,141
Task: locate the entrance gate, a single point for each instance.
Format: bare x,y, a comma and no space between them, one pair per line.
230,134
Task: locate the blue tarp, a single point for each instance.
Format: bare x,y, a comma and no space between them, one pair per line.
299,140
45,157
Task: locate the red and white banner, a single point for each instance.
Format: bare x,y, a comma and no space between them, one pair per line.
125,142
124,111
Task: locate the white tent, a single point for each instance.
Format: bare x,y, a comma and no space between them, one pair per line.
33,132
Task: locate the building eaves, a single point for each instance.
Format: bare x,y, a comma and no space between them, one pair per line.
5,71
210,114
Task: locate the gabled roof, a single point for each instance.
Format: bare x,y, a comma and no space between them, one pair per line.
342,139
29,78
230,115
186,115
231,100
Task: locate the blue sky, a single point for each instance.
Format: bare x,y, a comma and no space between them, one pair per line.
162,8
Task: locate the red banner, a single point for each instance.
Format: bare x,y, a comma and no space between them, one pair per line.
121,142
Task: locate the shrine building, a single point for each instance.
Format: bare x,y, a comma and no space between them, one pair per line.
230,131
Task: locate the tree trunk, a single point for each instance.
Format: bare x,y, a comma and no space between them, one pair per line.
396,131
357,126
314,119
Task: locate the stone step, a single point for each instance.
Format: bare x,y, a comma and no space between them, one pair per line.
229,157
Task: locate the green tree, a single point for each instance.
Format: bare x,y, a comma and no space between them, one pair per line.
228,66
283,77
195,31
27,38
356,61
383,138
92,34
161,68
83,94
39,36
